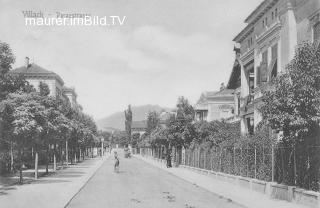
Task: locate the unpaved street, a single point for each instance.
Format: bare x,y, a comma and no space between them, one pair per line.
139,184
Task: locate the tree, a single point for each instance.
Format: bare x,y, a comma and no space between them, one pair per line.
128,122
135,139
6,58
180,128
25,115
153,121
44,89
291,105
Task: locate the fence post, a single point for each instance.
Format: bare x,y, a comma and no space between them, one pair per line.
234,160
211,158
294,165
220,160
241,165
199,157
272,163
255,162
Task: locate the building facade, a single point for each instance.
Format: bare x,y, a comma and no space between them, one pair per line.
267,44
35,75
215,105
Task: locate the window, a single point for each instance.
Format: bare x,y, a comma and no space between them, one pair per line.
273,67
276,12
251,80
250,125
262,23
274,51
263,69
265,57
250,42
266,21
272,15
316,32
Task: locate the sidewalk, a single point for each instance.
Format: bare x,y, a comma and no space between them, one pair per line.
237,194
54,190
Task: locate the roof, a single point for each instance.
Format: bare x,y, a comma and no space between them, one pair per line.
253,17
244,33
235,76
222,95
263,6
35,70
139,124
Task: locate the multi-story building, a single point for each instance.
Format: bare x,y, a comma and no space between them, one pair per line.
267,45
215,105
35,75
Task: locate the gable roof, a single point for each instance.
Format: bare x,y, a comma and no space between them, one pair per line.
222,95
139,124
35,70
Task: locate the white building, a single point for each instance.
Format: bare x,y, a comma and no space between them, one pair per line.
35,75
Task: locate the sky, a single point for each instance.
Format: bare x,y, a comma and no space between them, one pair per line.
164,49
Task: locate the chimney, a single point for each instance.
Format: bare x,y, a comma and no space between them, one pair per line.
26,63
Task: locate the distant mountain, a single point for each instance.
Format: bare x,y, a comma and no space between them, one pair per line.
116,121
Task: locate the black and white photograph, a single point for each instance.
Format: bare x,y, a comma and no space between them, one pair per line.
160,104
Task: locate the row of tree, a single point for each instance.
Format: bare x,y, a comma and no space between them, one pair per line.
33,122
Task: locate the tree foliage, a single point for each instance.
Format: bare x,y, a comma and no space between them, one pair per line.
292,103
128,122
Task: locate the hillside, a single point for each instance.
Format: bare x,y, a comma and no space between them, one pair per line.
116,120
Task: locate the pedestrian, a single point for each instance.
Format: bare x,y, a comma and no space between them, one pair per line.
117,162
168,160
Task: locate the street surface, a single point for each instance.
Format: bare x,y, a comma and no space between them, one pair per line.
139,184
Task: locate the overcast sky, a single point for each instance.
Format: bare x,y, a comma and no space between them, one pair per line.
165,49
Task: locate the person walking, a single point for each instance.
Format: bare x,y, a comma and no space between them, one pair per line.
117,162
168,158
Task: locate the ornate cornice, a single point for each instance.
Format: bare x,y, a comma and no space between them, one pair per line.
271,31
247,56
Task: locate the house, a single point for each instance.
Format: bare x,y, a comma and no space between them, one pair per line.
139,127
266,46
215,105
36,74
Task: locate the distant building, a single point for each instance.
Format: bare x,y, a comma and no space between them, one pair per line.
267,45
139,127
35,74
71,95
215,105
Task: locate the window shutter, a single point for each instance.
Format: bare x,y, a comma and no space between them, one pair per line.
264,72
258,75
316,32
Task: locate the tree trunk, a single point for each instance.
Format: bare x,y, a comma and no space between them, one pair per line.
61,155
67,161
20,167
11,156
47,160
54,163
36,167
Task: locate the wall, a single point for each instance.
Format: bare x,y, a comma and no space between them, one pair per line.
50,82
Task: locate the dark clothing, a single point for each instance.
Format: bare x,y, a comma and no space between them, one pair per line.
169,161
117,162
